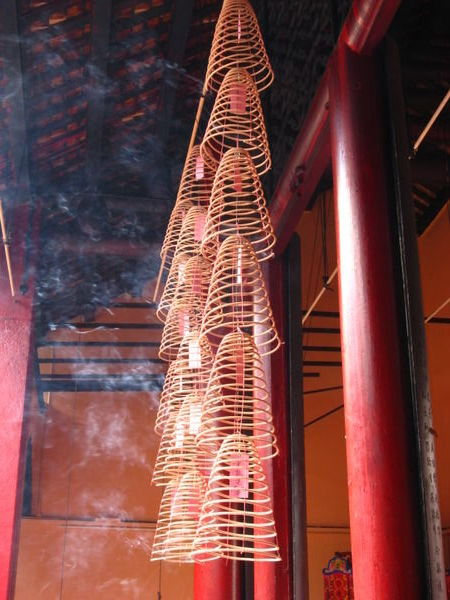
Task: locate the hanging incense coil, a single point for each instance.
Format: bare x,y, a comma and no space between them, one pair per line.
237,298
236,399
178,452
185,315
236,521
188,373
192,232
178,518
238,43
173,231
186,275
238,206
196,180
237,121
174,278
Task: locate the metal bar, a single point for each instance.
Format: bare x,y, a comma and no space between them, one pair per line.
98,361
377,421
323,313
98,66
324,416
322,363
99,386
94,325
431,122
319,296
334,330
413,336
431,318
77,343
321,349
322,390
296,419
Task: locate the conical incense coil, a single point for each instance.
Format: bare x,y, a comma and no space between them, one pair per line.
178,452
187,275
237,121
238,42
175,276
185,316
188,373
192,231
236,399
173,231
236,521
238,206
178,518
237,298
196,180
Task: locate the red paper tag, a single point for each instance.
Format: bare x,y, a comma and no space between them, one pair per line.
240,366
239,467
195,417
200,221
238,98
197,282
237,180
239,27
199,167
183,322
239,266
195,359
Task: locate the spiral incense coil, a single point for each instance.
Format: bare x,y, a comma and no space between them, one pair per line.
238,206
236,515
178,518
237,121
238,42
185,315
174,278
236,399
178,452
192,231
173,231
237,298
196,180
188,373
187,275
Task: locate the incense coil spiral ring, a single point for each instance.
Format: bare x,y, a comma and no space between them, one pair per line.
236,520
238,207
236,399
187,275
178,518
196,180
173,231
183,379
171,286
192,230
237,298
238,42
178,452
237,121
185,315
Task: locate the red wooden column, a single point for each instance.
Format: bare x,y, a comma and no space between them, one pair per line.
384,515
218,579
15,334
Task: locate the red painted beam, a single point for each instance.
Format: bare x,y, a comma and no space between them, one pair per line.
15,336
365,26
367,23
384,512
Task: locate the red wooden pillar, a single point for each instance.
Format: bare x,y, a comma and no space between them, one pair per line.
384,515
15,334
218,579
